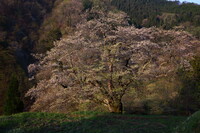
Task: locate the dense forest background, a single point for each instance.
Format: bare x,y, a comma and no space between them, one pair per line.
20,22
28,27
162,13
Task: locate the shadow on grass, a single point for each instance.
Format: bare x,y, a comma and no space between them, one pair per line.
87,123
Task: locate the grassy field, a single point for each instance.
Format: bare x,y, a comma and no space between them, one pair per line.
88,122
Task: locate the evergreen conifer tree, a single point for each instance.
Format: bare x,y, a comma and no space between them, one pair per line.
13,103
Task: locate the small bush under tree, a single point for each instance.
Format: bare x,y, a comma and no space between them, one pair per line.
191,125
190,91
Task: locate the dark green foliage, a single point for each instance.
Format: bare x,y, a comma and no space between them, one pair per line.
8,66
191,125
160,13
87,4
47,42
54,35
20,22
13,103
139,10
196,31
190,92
195,63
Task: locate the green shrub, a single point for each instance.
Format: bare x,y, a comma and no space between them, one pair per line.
196,32
191,125
87,4
46,42
54,34
190,92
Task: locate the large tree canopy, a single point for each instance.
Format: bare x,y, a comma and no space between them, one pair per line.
103,59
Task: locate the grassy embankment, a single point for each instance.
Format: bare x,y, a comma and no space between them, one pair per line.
88,122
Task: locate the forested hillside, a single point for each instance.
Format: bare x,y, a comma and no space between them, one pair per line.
28,27
162,13
19,25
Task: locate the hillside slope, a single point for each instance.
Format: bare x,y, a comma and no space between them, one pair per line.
28,27
87,122
19,24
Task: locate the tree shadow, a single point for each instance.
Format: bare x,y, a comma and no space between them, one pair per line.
101,123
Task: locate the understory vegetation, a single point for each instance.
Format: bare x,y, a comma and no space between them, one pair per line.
13,103
190,91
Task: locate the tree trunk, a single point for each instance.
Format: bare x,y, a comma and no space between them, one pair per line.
115,107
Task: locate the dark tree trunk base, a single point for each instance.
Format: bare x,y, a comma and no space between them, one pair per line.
115,107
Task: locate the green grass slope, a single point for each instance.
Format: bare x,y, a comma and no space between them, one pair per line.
87,122
191,125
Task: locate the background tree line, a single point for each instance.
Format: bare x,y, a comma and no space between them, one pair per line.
162,13
20,21
28,27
